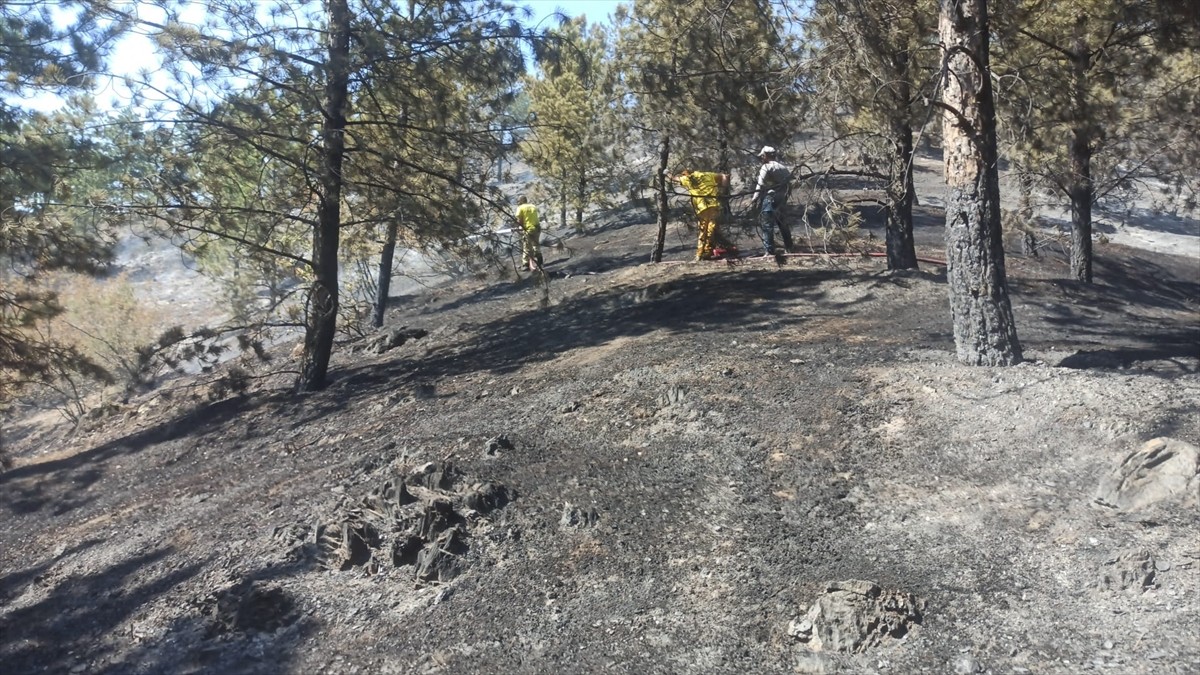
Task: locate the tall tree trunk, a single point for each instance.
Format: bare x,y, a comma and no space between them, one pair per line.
580,199
664,156
562,202
901,251
385,273
1025,211
984,331
724,166
323,297
723,158
504,136
1080,188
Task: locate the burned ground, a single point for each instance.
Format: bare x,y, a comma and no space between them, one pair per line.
643,469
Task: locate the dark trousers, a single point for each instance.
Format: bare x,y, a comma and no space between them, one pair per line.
771,217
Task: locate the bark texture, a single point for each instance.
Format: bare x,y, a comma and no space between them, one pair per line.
323,297
901,251
581,190
984,331
1029,242
664,156
384,284
562,202
1081,188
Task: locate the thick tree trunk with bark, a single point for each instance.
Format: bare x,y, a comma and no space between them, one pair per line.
984,331
1080,189
664,156
384,285
901,251
1081,209
323,297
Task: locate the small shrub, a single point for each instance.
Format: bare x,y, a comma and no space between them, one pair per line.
105,321
839,226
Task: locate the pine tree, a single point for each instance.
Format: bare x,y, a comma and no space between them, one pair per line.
874,70
331,104
575,136
1080,107
427,154
984,331
40,156
711,82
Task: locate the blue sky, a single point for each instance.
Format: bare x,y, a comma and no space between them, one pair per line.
136,52
596,11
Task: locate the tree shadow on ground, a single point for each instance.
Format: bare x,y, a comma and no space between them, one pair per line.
13,584
1110,222
622,217
1147,219
755,297
619,257
25,489
1170,421
505,345
1136,331
76,622
675,308
492,291
928,217
105,620
1144,282
601,264
1122,286
1182,357
404,301
1140,312
253,626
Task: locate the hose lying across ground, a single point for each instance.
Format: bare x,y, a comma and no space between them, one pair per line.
869,254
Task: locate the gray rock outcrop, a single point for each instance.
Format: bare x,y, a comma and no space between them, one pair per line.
1162,470
854,616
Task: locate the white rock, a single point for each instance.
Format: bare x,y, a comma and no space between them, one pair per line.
1163,469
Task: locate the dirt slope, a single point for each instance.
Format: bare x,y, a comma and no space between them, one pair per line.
643,469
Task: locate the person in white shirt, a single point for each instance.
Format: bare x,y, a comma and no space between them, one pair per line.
770,199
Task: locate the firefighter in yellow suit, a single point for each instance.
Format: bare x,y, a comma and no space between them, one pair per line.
704,187
531,250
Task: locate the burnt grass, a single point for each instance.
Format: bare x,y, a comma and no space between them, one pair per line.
637,468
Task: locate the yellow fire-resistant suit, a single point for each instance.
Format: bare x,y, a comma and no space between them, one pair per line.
704,186
531,250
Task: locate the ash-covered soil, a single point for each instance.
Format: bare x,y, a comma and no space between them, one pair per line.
648,468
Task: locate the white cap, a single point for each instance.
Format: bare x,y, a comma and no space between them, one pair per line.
767,150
